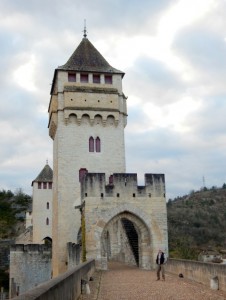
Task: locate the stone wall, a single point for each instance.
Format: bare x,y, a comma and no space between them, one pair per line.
198,271
4,253
65,286
30,265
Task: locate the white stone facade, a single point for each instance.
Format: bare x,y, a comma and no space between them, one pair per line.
42,213
83,111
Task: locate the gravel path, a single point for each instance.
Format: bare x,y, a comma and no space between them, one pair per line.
122,282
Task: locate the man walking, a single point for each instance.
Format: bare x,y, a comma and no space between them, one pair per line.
160,261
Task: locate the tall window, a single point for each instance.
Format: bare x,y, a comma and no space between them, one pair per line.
39,185
44,185
91,144
97,144
82,173
47,221
94,146
47,205
50,185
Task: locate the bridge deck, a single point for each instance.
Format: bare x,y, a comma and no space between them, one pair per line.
123,282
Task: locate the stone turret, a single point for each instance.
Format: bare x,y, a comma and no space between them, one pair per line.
42,205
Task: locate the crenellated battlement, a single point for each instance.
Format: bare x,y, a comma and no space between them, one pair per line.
31,248
97,185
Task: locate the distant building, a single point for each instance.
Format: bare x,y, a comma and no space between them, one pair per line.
210,256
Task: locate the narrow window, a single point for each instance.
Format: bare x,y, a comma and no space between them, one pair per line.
111,179
91,144
108,79
72,77
39,185
97,144
82,173
47,221
96,78
102,195
118,195
47,205
50,185
134,195
44,185
84,77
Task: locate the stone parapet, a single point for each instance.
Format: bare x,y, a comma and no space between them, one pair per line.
198,271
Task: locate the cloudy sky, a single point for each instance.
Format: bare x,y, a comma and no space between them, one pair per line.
174,55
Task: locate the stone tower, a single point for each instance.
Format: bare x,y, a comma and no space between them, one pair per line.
42,206
87,117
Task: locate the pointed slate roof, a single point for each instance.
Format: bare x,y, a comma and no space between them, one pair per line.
46,175
87,58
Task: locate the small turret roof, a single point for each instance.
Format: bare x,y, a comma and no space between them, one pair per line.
87,58
46,175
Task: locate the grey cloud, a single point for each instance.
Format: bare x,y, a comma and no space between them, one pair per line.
153,82
53,31
203,49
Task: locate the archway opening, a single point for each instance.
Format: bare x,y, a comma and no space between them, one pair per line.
47,241
126,238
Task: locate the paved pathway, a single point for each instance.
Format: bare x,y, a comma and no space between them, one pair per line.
122,282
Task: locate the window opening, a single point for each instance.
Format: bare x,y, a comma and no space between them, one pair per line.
108,79
39,185
111,179
91,144
96,78
72,77
97,144
47,221
44,185
84,78
82,173
50,185
47,205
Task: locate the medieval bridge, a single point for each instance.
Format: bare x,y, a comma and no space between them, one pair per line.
121,281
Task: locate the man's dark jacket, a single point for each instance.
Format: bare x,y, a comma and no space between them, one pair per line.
162,259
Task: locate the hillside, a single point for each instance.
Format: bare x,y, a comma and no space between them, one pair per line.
196,222
12,212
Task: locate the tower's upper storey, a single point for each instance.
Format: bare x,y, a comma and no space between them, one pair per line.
86,84
86,65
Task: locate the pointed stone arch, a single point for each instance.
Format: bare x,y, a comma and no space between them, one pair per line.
105,226
144,240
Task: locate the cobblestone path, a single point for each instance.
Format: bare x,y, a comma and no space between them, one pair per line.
122,282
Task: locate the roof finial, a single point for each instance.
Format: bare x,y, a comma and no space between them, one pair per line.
85,35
